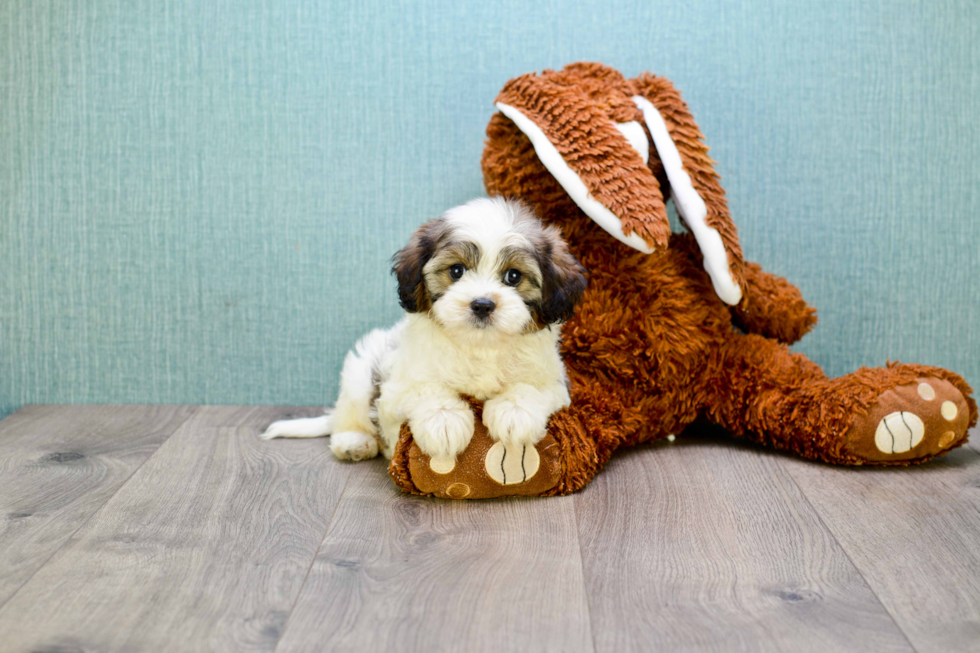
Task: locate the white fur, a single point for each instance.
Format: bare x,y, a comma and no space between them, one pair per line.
417,370
309,427
520,377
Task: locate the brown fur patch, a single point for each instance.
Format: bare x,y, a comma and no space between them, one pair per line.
436,277
409,263
563,278
524,261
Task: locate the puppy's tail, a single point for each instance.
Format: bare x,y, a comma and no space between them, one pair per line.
308,427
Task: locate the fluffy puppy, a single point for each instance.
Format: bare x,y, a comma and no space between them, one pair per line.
486,287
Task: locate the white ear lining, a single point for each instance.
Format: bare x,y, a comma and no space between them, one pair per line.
633,132
691,206
570,181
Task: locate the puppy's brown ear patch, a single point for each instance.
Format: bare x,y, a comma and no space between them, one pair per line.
409,263
562,279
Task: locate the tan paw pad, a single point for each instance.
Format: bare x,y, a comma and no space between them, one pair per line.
926,391
442,464
458,491
949,410
947,439
898,432
509,465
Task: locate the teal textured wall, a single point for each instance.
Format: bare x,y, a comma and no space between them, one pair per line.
198,200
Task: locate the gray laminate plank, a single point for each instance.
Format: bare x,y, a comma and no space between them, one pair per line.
914,533
403,573
707,545
58,465
204,548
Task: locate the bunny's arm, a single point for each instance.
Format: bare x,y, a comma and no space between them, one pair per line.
772,307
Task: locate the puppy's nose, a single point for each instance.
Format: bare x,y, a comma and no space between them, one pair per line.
482,307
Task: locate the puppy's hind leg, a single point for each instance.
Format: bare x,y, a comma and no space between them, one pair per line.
355,418
352,424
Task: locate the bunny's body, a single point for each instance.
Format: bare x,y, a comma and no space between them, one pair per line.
673,328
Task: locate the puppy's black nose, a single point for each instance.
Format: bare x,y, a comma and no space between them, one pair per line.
482,307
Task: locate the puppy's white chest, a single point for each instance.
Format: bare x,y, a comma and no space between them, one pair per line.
483,374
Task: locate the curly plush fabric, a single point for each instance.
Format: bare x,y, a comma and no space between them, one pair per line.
651,347
585,135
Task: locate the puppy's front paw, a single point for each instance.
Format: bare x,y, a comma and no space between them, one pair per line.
514,422
442,430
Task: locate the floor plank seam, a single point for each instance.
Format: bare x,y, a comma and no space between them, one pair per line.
581,560
68,539
306,576
847,555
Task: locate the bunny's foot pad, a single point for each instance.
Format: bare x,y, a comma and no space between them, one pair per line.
485,470
911,422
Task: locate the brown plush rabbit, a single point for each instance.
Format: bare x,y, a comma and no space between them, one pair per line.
672,327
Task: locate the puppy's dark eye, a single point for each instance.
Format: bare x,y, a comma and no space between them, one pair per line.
512,277
456,271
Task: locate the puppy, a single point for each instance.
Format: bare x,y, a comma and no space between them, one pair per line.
486,288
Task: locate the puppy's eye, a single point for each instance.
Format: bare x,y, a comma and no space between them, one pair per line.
512,277
456,271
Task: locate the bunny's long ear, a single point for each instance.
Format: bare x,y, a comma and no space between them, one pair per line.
694,184
601,164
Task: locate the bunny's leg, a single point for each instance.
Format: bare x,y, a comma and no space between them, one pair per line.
896,415
580,440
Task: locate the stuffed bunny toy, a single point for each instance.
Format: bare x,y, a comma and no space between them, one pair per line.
672,327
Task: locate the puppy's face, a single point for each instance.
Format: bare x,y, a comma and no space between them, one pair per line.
489,267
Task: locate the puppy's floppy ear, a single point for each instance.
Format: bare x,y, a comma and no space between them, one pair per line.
409,263
562,279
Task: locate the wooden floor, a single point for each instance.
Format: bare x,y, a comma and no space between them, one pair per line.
175,528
